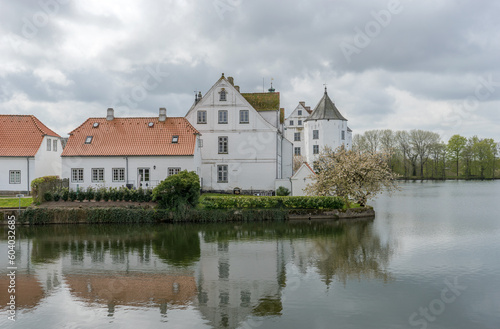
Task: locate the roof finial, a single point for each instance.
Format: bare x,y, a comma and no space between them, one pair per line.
325,87
271,90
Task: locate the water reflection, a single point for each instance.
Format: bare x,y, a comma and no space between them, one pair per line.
227,272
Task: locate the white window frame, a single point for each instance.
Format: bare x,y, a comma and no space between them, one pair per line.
299,112
77,175
118,174
316,134
296,151
54,145
296,137
315,149
201,117
222,115
244,116
97,175
14,176
222,173
223,145
343,134
49,144
223,95
173,171
299,123
290,123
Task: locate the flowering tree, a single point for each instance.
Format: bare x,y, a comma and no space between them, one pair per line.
352,175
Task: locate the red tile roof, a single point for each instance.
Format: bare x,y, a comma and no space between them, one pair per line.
22,135
132,136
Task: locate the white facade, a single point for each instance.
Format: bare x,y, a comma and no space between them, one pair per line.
332,133
17,173
242,147
300,179
139,171
294,128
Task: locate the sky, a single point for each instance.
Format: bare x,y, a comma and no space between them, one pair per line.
392,64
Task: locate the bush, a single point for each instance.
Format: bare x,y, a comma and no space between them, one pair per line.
178,191
90,193
282,191
65,194
98,195
266,202
72,195
105,195
56,196
113,195
47,196
81,195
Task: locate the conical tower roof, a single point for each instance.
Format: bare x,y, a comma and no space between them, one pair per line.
325,110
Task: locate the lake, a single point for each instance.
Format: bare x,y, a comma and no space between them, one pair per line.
430,259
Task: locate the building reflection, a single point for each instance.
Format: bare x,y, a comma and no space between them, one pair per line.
229,273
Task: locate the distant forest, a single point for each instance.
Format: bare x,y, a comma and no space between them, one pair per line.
420,154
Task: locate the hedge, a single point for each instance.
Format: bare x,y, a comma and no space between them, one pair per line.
266,202
105,194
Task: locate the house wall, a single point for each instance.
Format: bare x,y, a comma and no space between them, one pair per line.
16,163
157,165
290,130
330,134
252,156
48,163
300,180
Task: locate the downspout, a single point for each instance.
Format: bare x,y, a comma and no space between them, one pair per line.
28,171
126,171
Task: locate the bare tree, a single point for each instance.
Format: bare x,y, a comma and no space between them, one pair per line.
421,142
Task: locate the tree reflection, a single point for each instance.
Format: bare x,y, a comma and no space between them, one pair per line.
177,245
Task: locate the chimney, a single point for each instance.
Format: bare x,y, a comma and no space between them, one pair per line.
163,114
110,114
237,88
231,80
303,104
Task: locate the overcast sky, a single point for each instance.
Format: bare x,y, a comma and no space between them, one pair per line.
431,65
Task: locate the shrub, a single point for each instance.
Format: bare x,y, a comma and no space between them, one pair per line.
178,191
56,196
72,195
265,202
47,196
65,194
90,193
105,194
113,195
81,195
98,195
282,191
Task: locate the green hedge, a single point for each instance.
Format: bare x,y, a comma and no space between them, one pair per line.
100,194
40,216
266,202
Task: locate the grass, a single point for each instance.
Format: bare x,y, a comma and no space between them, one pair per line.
14,202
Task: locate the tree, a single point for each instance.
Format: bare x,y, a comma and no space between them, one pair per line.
352,175
177,191
403,140
422,142
455,146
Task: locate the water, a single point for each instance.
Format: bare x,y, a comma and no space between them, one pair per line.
429,260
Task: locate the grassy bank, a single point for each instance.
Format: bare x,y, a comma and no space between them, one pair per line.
14,202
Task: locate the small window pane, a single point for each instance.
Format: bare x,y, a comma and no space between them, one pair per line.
15,177
296,151
49,144
222,95
222,174
315,134
222,145
97,175
223,116
55,145
77,175
88,140
173,171
244,116
175,139
299,122
290,123
118,174
202,116
296,137
315,149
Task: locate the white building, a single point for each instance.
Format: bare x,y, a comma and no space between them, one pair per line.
28,150
243,143
325,127
138,152
294,128
300,179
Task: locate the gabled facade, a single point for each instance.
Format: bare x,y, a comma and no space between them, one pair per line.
134,152
28,150
243,142
301,178
294,128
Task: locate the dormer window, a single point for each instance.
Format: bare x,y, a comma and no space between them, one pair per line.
88,140
222,94
175,139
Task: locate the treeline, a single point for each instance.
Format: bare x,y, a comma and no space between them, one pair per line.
422,154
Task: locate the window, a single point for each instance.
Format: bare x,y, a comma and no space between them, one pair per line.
222,95
299,112
175,139
173,171
223,145
222,116
290,123
296,137
315,134
202,117
77,175
15,177
49,144
244,116
315,149
343,135
143,176
54,147
97,175
88,140
296,151
118,174
299,122
222,174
